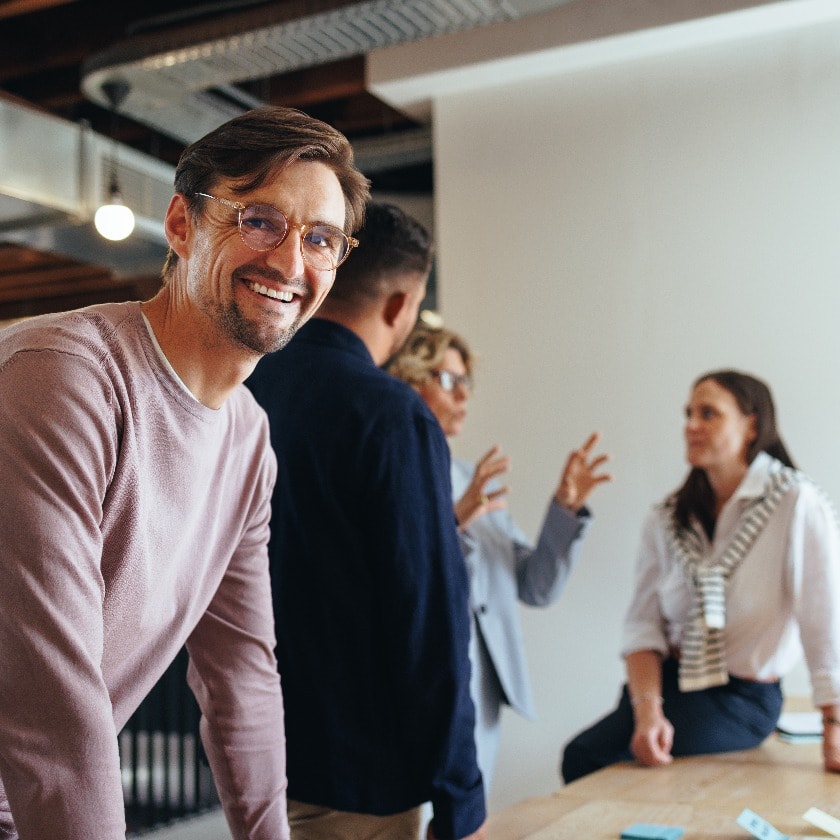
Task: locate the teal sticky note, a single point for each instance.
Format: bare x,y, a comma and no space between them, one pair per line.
649,831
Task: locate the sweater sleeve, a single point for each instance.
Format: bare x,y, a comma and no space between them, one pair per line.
542,570
233,673
59,762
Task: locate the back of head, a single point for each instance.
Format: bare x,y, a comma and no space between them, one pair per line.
424,351
248,149
392,247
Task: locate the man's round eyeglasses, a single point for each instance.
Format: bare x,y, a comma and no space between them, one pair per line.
450,381
263,228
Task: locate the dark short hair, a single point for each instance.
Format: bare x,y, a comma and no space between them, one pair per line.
392,245
250,147
695,497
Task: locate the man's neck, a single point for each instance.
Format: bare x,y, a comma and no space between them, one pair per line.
210,373
369,327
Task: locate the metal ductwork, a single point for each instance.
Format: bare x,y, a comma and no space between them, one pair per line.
186,88
48,195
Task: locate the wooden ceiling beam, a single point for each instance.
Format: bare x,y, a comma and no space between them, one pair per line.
312,85
51,284
13,8
69,300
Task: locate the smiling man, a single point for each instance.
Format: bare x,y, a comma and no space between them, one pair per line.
137,476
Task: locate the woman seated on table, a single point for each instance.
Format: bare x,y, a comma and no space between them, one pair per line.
502,563
734,568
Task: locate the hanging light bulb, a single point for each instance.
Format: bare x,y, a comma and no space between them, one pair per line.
114,220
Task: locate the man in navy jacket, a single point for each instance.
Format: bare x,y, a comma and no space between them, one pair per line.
370,587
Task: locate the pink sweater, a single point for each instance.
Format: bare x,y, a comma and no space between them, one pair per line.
133,519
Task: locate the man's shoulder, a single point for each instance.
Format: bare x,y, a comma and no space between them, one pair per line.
375,398
315,372
92,331
381,393
243,404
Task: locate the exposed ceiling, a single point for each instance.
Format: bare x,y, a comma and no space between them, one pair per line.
189,66
48,46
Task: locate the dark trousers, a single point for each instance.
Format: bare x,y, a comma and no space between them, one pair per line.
735,716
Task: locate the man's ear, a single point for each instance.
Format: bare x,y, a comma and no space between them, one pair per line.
394,305
177,224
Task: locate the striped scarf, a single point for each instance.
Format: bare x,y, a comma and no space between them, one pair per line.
702,654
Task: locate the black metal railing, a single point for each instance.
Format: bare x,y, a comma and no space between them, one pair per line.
164,773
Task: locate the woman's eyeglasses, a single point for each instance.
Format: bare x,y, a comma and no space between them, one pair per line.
263,228
450,381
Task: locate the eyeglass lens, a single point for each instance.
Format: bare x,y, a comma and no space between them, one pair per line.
263,228
450,381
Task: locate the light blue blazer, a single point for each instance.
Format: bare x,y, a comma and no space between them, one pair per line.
504,568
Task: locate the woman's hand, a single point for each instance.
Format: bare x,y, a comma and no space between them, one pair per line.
831,738
580,476
653,734
476,501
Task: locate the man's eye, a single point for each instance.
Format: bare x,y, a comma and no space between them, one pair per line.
318,239
323,239
259,223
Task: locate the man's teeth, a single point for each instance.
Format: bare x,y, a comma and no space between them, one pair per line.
286,297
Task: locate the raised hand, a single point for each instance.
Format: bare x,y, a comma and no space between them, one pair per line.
476,501
580,475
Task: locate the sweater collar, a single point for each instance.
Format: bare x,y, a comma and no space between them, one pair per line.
324,331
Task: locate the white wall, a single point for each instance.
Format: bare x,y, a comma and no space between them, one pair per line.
604,237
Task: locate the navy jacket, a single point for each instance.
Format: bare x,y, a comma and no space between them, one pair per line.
370,588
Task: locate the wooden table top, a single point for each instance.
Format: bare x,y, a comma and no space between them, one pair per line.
702,794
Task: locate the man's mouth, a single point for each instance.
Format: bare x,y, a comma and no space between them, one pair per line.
274,294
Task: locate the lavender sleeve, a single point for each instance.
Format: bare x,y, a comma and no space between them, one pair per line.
233,673
58,749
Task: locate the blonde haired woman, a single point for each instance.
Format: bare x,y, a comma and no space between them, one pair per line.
503,565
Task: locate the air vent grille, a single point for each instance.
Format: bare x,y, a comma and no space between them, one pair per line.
280,48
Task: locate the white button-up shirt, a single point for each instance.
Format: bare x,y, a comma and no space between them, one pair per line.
784,596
